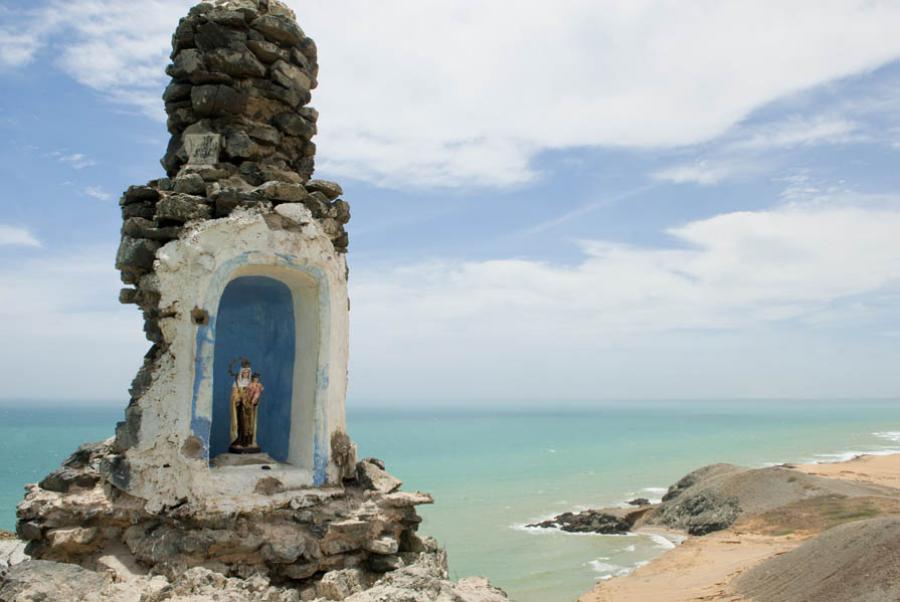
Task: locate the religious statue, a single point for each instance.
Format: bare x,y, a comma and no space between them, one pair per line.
245,395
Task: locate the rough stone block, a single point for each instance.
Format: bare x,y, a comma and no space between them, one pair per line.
282,192
45,580
265,134
338,585
383,564
383,545
183,36
63,479
345,536
144,210
294,212
341,211
332,190
225,16
227,201
29,530
210,100
135,255
139,194
278,29
308,47
295,125
309,113
177,91
190,184
239,145
138,227
182,208
201,147
267,52
291,76
372,477
210,36
237,62
127,296
186,63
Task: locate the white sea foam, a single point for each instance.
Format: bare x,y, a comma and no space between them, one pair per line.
610,570
662,541
850,455
630,548
889,435
656,490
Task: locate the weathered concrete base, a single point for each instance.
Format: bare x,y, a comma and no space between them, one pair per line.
357,542
288,535
260,459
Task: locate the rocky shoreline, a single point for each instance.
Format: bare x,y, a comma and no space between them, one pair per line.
755,534
607,521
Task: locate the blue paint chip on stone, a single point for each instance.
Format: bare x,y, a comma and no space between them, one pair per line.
320,465
200,426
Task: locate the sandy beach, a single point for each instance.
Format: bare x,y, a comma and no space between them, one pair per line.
705,568
883,470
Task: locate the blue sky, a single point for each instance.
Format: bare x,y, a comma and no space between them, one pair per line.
618,200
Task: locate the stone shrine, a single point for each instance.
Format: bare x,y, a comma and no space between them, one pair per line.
237,260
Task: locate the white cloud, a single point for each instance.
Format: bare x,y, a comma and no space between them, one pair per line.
702,172
414,94
74,160
739,286
727,271
98,193
11,235
16,49
741,304
72,340
798,131
749,150
438,93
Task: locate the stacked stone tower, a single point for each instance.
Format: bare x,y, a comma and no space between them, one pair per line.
242,130
236,252
236,234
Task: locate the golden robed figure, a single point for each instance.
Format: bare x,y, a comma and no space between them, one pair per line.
245,395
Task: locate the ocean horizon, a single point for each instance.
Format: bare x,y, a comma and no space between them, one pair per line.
493,468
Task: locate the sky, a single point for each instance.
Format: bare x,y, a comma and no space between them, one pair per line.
628,199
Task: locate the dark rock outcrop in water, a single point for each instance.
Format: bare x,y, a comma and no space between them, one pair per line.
611,521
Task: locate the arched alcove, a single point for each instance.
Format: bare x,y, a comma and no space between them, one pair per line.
277,314
256,321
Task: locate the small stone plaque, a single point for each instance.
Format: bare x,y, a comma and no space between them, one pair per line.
202,149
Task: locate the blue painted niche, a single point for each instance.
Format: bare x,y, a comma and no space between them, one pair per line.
255,320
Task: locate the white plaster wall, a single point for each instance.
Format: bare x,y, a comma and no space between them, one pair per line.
192,272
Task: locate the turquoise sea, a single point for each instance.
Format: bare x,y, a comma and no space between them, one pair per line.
492,468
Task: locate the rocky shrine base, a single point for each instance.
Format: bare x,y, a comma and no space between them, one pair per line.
356,542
